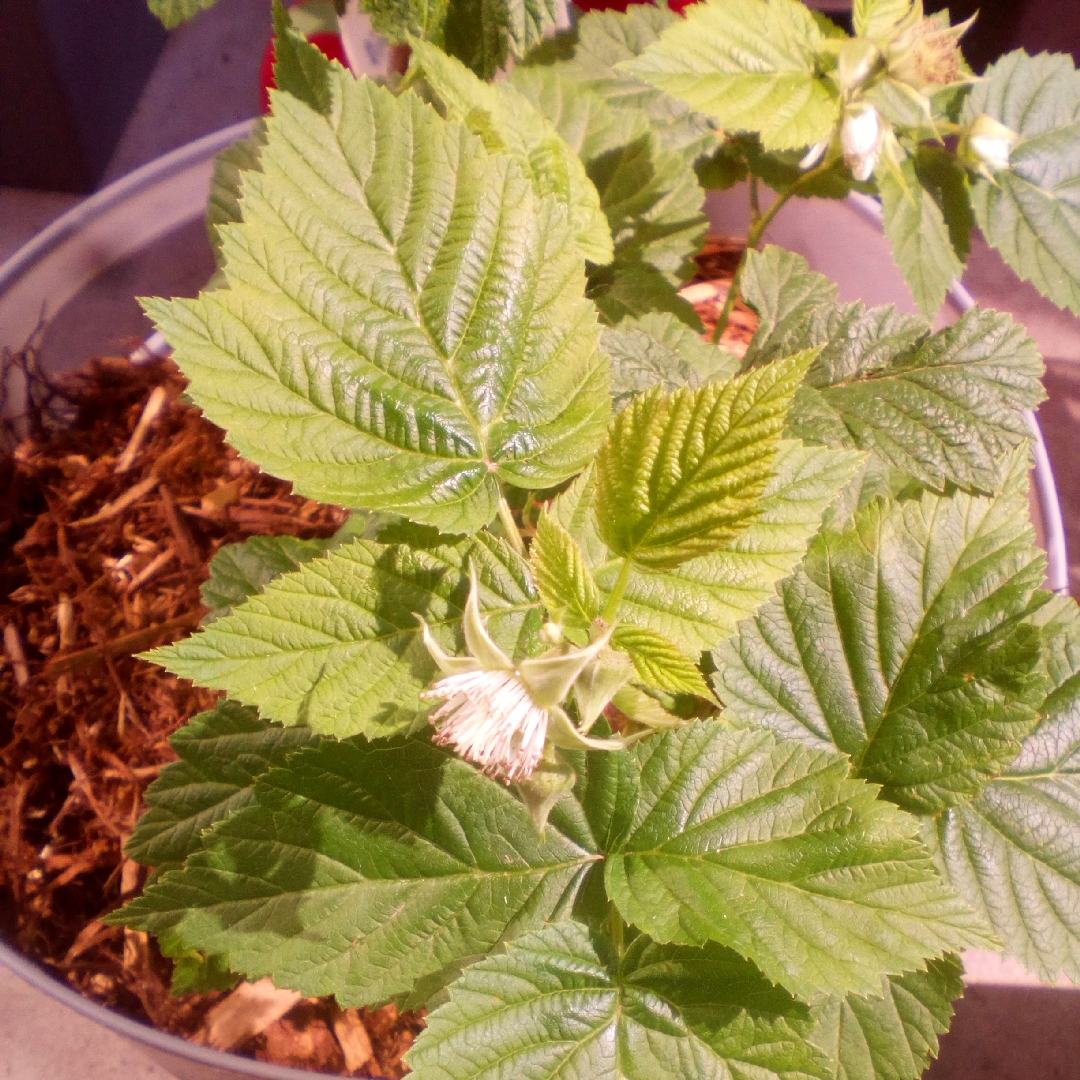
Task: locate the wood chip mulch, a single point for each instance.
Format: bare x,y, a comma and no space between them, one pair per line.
111,508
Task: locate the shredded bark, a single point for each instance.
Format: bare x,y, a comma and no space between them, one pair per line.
114,496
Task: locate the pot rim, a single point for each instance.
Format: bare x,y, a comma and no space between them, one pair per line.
67,227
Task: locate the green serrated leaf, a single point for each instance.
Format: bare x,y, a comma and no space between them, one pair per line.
240,571
660,663
632,289
559,1004
300,68
194,973
751,65
892,1035
336,645
398,20
222,753
173,12
362,868
876,18
226,185
1031,211
508,123
903,643
699,604
922,243
785,293
943,408
771,849
485,34
356,353
1014,852
681,475
562,575
659,350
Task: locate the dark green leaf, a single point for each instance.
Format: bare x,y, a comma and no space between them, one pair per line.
221,753
362,868
771,849
226,187
300,68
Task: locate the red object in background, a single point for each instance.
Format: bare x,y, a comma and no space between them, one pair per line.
328,44
621,5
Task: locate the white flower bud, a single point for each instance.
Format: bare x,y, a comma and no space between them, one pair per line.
860,137
551,633
987,145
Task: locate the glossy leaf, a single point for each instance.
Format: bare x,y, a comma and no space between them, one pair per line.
681,475
903,643
355,350
751,65
1031,211
771,849
660,663
336,645
558,1004
563,577
362,868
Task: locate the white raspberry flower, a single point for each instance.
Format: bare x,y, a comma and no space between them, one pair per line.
499,714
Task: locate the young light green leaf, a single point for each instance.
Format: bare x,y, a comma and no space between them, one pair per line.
362,868
356,353
876,18
785,293
336,645
300,68
508,123
699,604
1030,212
659,350
563,577
222,753
892,1035
226,184
173,12
660,663
947,411
751,65
771,849
559,1003
1014,852
240,571
903,643
681,475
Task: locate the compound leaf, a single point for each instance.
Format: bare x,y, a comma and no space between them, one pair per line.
336,645
359,350
558,1003
681,475
751,65
362,868
222,752
1031,211
903,643
771,849
1013,851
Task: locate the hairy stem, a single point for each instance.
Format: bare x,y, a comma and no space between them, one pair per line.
611,608
616,928
758,224
506,518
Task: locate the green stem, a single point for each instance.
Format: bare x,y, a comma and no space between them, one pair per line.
611,608
757,231
506,518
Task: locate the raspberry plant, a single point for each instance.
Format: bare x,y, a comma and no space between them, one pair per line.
657,713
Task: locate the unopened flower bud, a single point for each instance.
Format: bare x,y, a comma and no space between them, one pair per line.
860,137
987,144
857,60
551,633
